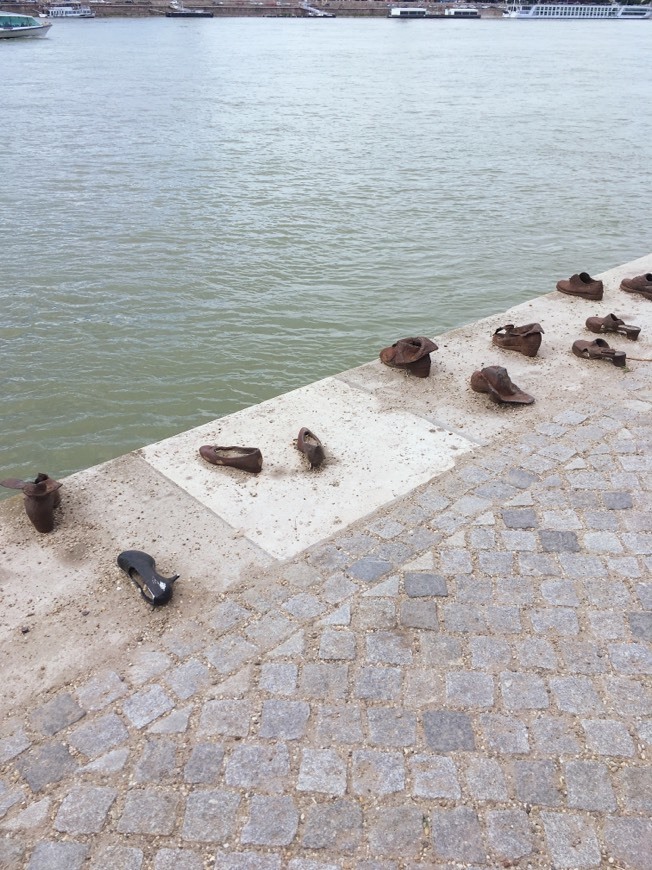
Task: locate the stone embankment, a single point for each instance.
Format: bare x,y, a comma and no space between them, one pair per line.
433,652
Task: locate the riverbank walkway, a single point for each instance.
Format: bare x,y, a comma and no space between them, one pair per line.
432,653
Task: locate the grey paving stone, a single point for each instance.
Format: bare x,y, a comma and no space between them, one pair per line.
322,770
13,745
273,821
397,552
470,590
387,588
640,625
301,575
440,652
643,591
337,588
504,734
269,630
101,690
561,520
178,859
602,521
146,705
485,779
514,590
328,556
210,816
434,776
339,724
509,833
537,782
606,624
423,688
31,818
482,538
571,840
184,639
553,541
537,564
157,762
631,658
520,518
389,726
279,678
335,826
448,732
340,616
369,569
227,615
504,619
337,644
469,690
229,653
490,653
149,811
588,786
47,763
553,736
378,683
188,679
377,773
112,762
519,541
388,646
284,720
469,505
602,542
261,766
576,695
12,853
523,691
395,831
229,718
84,809
374,613
561,593
9,797
205,763
456,834
496,563
617,501
308,864
464,618
536,652
386,528
118,858
416,613
55,715
555,620
607,593
327,681
50,855
147,664
608,737
629,841
455,562
626,566
636,787
246,861
583,657
304,606
578,565
175,722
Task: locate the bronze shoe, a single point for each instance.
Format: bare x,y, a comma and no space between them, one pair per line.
311,446
524,339
411,354
495,381
582,285
42,496
640,284
611,323
599,349
245,458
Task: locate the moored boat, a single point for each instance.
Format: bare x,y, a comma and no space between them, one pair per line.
13,26
70,10
178,10
573,10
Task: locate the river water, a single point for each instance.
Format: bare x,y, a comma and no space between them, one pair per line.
199,215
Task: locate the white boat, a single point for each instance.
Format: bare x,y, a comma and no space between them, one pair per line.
575,10
71,10
405,13
13,26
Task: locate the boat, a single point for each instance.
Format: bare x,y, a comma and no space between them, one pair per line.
574,10
71,10
13,25
178,10
405,13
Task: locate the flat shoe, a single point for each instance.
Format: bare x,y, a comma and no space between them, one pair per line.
411,354
599,349
245,458
582,285
141,568
495,381
640,284
311,446
523,339
611,323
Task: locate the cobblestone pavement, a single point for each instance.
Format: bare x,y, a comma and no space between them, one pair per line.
461,680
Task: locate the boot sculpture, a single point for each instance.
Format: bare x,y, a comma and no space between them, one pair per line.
41,498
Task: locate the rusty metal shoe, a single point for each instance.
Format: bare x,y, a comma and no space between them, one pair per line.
582,285
599,349
498,385
245,458
410,354
611,323
311,446
42,496
523,339
640,284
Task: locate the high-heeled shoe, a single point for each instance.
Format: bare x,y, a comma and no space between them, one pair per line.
41,498
245,458
141,568
311,446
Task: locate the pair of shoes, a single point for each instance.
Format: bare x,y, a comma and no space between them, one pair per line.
640,284
245,458
611,323
582,285
411,354
495,381
599,349
523,339
42,496
141,568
